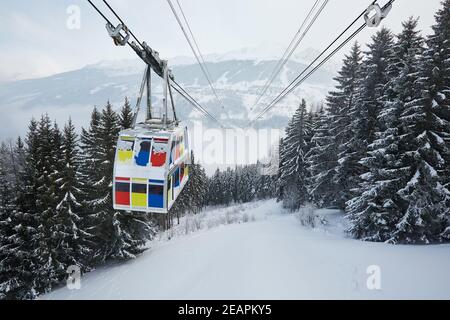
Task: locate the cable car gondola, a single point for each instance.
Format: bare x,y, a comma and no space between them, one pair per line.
151,167
151,161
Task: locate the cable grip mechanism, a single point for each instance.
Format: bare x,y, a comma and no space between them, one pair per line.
115,33
373,21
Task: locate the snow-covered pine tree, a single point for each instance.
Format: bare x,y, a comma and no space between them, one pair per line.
215,189
248,183
118,235
228,183
339,103
68,239
322,162
58,162
7,180
293,175
285,152
279,183
267,182
379,208
237,184
427,217
98,146
366,110
6,210
198,186
181,206
258,181
20,260
240,185
19,162
90,174
45,165
193,197
106,228
132,230
220,187
438,58
375,77
48,146
126,116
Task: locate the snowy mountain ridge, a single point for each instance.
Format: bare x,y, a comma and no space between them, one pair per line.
237,76
257,54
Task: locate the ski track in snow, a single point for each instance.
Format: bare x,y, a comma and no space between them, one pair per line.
273,257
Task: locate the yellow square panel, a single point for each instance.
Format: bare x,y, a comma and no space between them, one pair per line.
138,200
139,193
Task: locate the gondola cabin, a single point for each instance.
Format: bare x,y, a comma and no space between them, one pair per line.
150,168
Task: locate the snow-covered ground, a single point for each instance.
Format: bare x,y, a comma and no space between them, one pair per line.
258,251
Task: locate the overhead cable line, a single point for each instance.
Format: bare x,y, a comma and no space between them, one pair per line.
178,88
291,49
99,12
321,54
195,42
198,55
298,80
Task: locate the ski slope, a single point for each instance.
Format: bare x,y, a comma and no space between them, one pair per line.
258,251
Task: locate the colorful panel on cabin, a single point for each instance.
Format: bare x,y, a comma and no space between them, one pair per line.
159,153
156,194
182,168
176,177
177,149
169,190
122,192
181,146
142,152
125,150
139,193
172,152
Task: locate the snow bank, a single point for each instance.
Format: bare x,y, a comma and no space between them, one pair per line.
213,217
272,257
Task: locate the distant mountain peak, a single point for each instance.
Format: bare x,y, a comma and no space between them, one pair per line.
238,83
262,52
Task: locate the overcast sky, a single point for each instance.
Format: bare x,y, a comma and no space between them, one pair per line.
35,40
